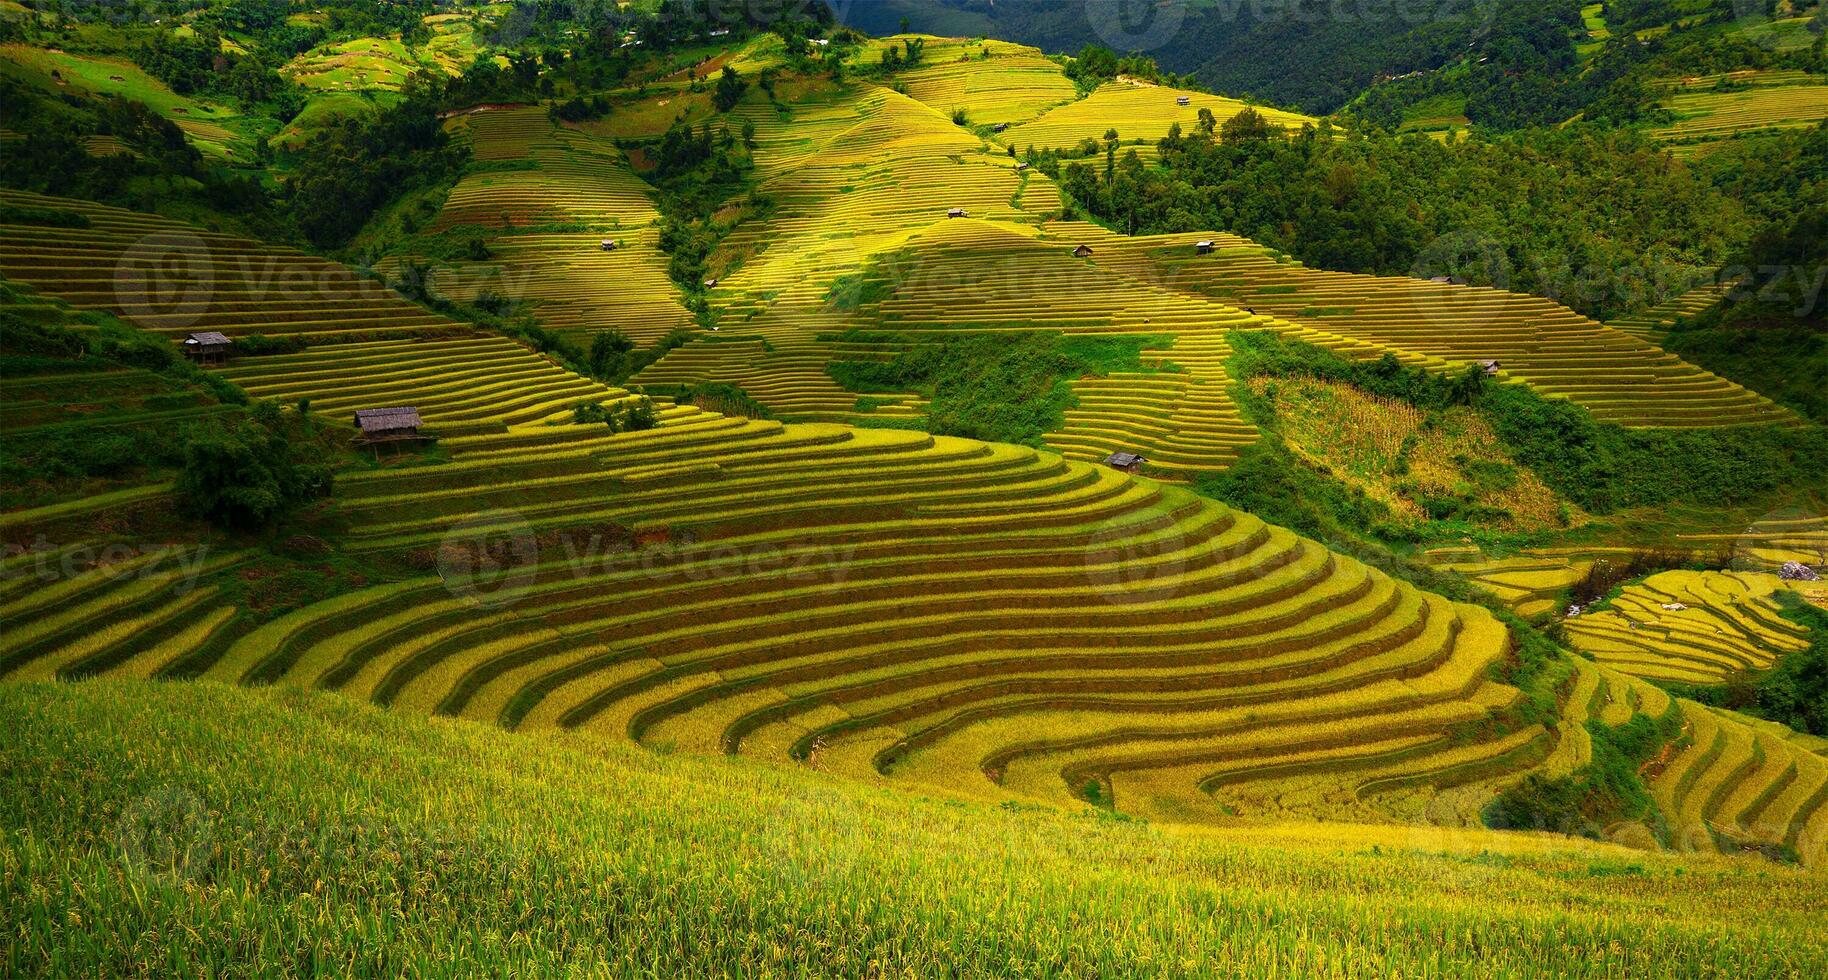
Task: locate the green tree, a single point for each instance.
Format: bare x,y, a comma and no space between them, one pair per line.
247,475
730,89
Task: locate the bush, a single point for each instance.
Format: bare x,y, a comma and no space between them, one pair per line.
1606,790
245,476
991,387
634,416
1600,466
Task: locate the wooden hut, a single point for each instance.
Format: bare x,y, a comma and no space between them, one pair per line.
1125,462
609,244
1082,252
1183,100
1490,367
957,213
1203,248
208,347
383,425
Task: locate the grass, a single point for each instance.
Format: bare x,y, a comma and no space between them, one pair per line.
1423,465
205,844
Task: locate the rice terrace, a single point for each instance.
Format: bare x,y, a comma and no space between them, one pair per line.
1044,488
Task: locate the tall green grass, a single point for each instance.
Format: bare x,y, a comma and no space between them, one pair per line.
193,829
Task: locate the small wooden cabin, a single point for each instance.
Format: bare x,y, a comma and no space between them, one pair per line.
378,425
1183,100
999,127
208,347
957,213
1125,462
1490,367
1082,252
1203,248
609,244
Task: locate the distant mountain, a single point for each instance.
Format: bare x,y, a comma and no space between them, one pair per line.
1312,54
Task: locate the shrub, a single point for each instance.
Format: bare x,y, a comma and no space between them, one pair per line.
247,475
1606,790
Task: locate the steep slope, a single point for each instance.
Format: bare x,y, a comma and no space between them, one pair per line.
222,821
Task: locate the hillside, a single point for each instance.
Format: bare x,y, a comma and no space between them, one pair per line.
608,858
1157,532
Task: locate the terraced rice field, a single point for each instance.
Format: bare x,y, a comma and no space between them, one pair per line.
854,172
545,225
970,275
1616,376
863,178
1690,627
372,349
1529,584
1655,323
1737,783
1007,87
943,887
173,278
1141,114
1758,100
383,63
460,385
994,621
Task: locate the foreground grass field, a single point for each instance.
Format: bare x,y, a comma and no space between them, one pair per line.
152,829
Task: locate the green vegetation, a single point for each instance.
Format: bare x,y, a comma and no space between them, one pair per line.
635,415
1607,790
999,388
90,398
200,836
1599,466
245,476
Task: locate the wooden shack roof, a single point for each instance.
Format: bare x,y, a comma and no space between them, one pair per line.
371,420
208,338
1123,461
